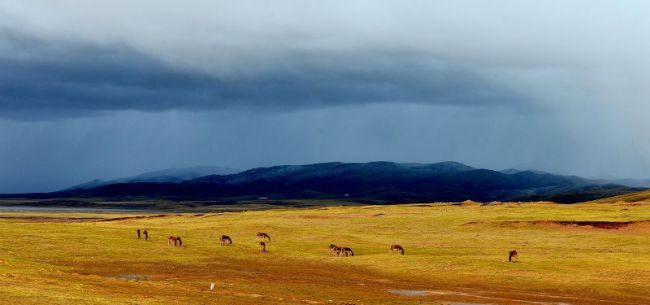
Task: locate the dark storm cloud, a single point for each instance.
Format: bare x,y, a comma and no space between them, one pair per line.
48,79
105,89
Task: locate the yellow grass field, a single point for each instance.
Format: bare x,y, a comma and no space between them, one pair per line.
455,254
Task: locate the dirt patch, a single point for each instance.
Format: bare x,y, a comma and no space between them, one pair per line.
335,216
604,225
628,204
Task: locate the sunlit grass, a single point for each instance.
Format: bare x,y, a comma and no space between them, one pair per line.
448,247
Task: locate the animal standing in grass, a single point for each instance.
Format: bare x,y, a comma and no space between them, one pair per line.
396,248
174,241
346,252
225,240
332,248
263,236
513,256
335,250
262,246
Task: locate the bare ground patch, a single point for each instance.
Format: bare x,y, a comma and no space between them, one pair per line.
588,224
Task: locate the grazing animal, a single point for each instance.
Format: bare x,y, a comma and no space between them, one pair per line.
138,233
347,252
225,239
262,246
396,248
332,248
146,235
335,250
171,240
263,236
513,256
174,241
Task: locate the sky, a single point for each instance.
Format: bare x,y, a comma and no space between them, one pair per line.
105,89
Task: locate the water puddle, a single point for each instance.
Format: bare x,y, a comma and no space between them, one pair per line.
423,293
131,277
411,293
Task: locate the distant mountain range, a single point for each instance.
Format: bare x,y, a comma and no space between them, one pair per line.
170,175
374,182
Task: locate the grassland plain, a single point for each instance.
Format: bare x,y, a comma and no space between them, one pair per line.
454,254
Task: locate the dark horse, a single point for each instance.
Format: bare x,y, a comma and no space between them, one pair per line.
513,255
225,239
262,246
347,252
263,236
396,248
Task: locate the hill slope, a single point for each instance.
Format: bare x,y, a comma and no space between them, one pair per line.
171,175
642,196
377,182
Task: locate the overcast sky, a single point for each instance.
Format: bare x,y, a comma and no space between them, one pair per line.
104,89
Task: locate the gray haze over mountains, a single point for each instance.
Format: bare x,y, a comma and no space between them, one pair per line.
170,175
103,90
371,182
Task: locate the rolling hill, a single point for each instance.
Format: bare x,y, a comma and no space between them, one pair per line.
635,197
374,182
173,175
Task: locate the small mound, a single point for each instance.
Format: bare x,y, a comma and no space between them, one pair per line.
470,203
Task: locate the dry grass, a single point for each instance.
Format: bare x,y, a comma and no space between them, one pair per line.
456,253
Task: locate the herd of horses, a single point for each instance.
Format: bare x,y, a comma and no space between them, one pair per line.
335,250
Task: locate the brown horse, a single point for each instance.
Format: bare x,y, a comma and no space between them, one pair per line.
262,246
513,256
335,250
175,241
347,252
396,248
263,236
171,240
332,246
225,239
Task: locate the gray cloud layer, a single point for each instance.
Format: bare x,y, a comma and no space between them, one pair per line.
44,78
84,56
